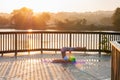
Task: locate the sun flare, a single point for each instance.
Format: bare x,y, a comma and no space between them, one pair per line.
29,30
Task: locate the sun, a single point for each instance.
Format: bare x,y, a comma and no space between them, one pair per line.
29,30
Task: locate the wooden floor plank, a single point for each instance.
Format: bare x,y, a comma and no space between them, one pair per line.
46,72
64,73
39,70
42,70
2,69
5,73
49,69
53,70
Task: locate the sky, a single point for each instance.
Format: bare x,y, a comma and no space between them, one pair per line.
59,5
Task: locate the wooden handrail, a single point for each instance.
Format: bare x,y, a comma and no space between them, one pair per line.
20,41
115,62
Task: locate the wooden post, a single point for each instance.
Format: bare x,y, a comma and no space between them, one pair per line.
3,45
2,54
99,44
15,45
115,61
70,40
41,43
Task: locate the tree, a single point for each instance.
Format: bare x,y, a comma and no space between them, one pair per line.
81,22
45,16
4,20
84,21
116,18
40,20
22,18
106,21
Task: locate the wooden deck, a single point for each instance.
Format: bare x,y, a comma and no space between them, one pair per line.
32,68
40,67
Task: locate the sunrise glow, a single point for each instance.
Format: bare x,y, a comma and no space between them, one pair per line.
59,5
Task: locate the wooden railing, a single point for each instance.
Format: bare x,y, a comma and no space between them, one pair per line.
115,65
20,41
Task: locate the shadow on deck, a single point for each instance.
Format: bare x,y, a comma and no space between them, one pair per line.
41,67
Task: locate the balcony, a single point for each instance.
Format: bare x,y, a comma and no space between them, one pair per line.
44,47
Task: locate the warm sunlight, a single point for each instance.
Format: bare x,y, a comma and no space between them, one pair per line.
59,5
59,39
29,30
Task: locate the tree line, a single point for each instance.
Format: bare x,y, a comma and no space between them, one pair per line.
25,18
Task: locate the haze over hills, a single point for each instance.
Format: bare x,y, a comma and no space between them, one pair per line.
98,18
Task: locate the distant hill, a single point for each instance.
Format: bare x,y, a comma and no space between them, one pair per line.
97,18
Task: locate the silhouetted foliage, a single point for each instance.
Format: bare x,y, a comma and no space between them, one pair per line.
22,18
40,20
116,18
106,21
4,20
81,22
25,19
